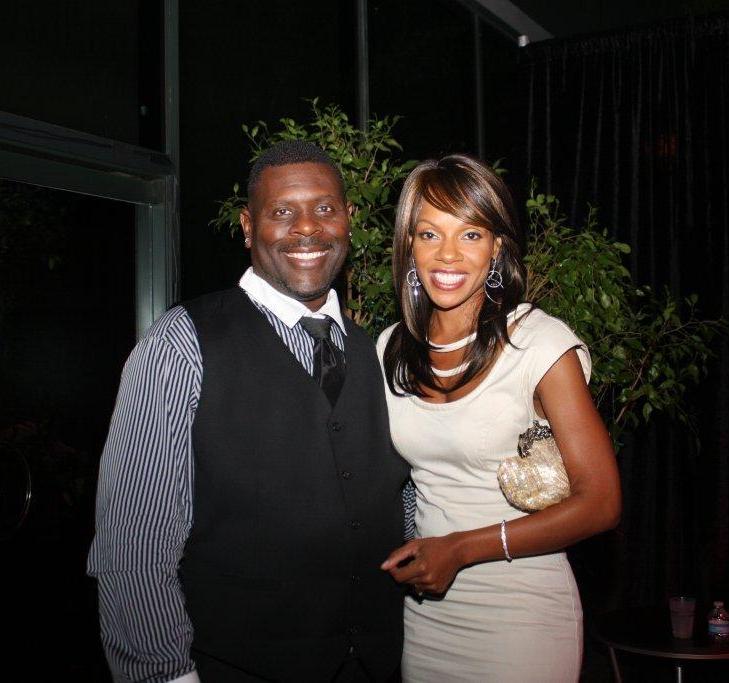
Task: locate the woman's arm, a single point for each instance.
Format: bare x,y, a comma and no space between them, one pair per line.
430,564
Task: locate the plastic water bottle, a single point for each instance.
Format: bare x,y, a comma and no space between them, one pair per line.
719,623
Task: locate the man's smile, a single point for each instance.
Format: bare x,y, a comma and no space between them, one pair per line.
305,255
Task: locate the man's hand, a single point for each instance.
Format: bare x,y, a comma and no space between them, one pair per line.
427,564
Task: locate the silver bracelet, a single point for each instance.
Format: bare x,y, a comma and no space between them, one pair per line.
503,541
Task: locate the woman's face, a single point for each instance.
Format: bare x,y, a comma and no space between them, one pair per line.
452,258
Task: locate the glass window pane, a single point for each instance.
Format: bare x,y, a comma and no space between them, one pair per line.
66,325
93,67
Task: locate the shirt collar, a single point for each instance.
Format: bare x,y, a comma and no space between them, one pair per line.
289,311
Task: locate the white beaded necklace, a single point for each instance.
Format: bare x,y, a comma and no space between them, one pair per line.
453,346
446,348
452,372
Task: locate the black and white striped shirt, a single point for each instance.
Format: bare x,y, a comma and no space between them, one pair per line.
144,498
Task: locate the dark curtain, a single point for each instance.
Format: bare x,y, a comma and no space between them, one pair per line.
636,123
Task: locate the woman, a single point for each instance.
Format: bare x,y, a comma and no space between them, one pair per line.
468,369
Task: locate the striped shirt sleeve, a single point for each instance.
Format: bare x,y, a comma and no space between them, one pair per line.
144,506
408,504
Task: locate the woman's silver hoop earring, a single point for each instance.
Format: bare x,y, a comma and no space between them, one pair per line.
412,278
494,280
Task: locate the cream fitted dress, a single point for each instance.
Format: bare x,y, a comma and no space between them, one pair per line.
499,621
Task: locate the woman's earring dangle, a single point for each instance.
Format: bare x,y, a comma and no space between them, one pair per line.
412,278
493,280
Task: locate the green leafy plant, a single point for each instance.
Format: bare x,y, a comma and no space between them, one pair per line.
371,176
647,348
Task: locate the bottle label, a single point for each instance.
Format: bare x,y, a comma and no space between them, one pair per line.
718,627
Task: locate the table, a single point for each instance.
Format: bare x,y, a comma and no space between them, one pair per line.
647,631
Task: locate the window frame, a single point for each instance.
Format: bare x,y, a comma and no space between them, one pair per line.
44,154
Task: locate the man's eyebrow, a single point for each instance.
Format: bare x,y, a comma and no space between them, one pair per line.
329,196
285,199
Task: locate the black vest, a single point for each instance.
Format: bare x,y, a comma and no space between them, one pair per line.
296,504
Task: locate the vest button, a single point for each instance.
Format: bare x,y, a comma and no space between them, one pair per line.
355,578
336,426
352,631
354,524
346,474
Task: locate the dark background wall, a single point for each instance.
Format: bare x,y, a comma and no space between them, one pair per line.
241,62
419,61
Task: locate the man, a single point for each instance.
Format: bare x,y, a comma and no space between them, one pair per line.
248,492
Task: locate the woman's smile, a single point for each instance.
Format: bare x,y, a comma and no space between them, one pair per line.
448,280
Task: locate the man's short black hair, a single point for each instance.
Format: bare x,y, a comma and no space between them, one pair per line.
290,152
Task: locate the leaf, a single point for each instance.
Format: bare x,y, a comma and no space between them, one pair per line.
647,410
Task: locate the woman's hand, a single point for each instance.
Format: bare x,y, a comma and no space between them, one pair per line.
427,564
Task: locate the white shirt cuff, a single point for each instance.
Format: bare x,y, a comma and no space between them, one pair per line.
191,677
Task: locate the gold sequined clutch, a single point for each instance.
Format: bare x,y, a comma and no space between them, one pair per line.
536,478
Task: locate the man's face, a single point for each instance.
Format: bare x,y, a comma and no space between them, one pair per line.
297,222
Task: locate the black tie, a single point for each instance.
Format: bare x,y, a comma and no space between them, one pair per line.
328,359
